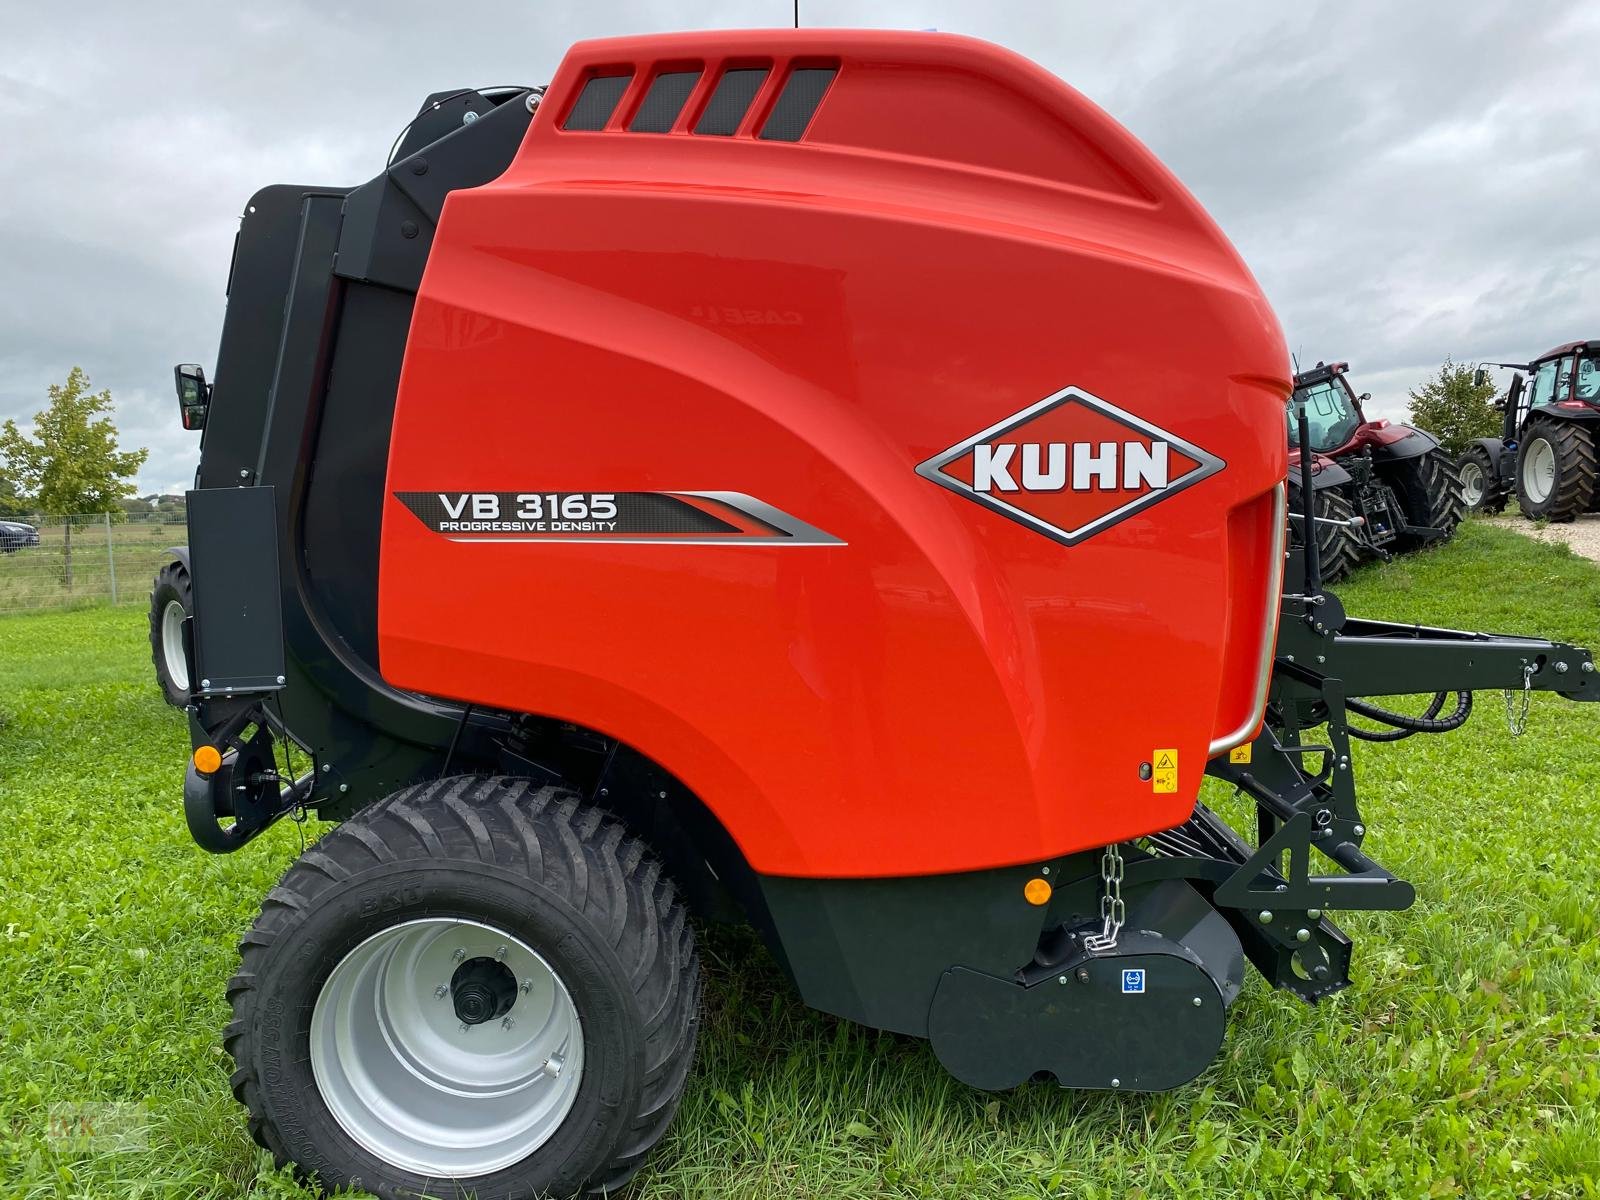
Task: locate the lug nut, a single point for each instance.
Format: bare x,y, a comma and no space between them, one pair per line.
440,992
508,1023
527,986
457,954
465,1028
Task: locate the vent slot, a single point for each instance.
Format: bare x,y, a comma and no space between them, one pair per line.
664,101
597,102
801,94
730,101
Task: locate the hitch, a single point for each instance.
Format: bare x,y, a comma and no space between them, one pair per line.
247,786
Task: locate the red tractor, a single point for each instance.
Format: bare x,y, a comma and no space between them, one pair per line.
606,516
1548,453
1379,487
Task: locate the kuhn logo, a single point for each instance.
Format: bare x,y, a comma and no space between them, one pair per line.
1070,466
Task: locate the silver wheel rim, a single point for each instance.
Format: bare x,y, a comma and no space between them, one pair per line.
1472,483
172,644
1539,470
415,1088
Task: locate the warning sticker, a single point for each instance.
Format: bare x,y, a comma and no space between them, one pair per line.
1164,773
1240,754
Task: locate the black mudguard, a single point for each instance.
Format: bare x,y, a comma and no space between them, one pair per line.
1415,444
1332,475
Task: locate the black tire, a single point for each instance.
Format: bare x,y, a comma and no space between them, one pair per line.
1430,494
171,587
1571,490
1480,486
1339,545
564,877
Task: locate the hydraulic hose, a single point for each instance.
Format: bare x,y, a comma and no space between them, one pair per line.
1404,726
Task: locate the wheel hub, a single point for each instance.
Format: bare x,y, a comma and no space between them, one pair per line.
483,989
446,1047
1539,470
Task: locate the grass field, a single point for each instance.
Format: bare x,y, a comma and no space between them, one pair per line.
1465,1061
37,577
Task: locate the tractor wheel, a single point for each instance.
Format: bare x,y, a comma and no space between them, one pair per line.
171,601
1556,470
475,987
1338,545
1480,487
1429,490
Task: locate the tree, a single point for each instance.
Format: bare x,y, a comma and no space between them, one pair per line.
70,464
1454,409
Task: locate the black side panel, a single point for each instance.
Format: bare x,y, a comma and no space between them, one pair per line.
344,497
239,644
247,358
874,950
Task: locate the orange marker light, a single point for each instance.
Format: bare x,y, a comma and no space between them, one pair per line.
1036,891
208,758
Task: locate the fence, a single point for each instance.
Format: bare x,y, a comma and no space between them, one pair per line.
92,559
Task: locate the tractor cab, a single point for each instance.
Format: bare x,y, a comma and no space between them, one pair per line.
1546,454
1333,412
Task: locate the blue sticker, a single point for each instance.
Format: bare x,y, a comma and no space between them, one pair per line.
1133,981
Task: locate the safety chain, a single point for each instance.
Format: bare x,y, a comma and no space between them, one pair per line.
1112,910
1516,721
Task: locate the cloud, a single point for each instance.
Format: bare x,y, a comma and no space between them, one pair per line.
1407,181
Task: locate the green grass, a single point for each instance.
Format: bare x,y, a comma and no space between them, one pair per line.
37,577
1465,1061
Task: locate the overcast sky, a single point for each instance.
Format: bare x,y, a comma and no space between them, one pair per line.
1408,181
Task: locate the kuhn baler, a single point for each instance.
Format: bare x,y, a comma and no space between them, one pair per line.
741,481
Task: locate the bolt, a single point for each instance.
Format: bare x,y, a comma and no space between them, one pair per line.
1288,658
1062,980
1266,917
1561,668
1083,974
662,795
440,992
457,954
280,679
244,473
465,1028
1360,830
468,117
344,787
1322,658
532,102
1197,1001
507,1023
527,986
408,229
500,953
1314,913
1116,1083
326,767
1588,668
1282,887
1302,935
1320,971
1320,627
205,683
605,791
1044,870
1145,771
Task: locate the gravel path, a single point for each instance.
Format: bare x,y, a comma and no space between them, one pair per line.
1583,535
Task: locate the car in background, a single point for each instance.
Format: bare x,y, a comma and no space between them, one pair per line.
16,535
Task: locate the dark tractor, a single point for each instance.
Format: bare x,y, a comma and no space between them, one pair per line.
1399,488
1546,453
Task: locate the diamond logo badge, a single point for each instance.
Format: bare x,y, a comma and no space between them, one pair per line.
1070,466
